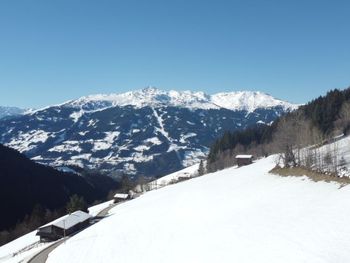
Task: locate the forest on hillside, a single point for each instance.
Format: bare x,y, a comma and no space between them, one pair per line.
32,194
313,124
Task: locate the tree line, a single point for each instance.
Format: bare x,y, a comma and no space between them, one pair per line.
41,215
311,125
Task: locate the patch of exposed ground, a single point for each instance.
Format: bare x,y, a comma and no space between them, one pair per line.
312,175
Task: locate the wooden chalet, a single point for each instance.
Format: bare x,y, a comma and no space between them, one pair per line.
64,226
244,159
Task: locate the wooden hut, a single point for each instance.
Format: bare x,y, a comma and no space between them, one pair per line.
64,226
244,159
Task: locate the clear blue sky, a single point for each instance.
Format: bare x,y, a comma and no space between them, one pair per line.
52,51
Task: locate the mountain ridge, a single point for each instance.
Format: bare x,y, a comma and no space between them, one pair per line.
151,96
149,132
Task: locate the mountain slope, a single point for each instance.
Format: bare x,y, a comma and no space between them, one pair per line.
235,215
24,184
147,132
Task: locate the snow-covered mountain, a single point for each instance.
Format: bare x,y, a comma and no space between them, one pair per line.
10,111
150,96
149,132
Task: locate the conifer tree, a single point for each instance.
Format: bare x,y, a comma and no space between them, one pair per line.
201,169
76,203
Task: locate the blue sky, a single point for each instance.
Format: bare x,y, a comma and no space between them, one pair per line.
52,51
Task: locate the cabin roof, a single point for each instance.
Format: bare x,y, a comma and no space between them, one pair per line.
68,221
122,196
244,156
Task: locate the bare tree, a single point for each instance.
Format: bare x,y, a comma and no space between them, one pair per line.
335,157
342,125
317,141
304,138
285,139
327,159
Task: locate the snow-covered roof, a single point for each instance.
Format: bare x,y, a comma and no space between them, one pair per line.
122,196
70,220
244,156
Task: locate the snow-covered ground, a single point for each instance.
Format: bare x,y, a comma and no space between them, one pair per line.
25,247
21,249
331,155
94,210
234,215
188,172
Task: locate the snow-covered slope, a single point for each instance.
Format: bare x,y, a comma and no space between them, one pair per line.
331,158
235,215
21,248
25,247
188,172
94,210
240,100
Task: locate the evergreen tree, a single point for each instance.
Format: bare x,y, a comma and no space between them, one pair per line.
126,184
201,169
37,216
76,203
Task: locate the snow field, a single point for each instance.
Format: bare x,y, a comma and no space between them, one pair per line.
190,171
234,215
94,210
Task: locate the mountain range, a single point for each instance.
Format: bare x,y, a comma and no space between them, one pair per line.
148,132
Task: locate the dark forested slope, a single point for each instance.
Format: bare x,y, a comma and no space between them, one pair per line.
25,184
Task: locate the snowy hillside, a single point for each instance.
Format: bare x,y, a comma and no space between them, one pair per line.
25,247
149,132
332,158
21,249
235,215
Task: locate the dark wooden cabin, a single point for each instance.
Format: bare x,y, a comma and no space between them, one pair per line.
244,160
64,226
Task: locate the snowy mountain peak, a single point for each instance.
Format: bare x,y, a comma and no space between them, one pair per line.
151,96
249,101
